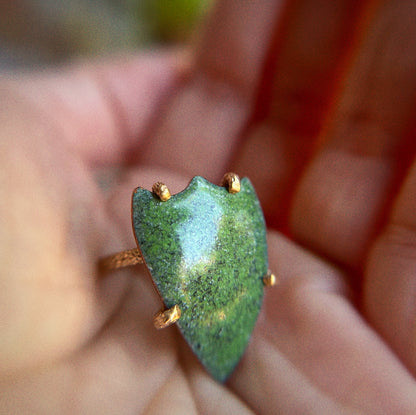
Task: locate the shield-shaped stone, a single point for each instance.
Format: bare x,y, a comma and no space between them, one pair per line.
206,251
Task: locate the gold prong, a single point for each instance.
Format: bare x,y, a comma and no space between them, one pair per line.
167,317
232,182
269,279
162,191
119,260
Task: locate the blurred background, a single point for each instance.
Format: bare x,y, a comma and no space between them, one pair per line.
42,32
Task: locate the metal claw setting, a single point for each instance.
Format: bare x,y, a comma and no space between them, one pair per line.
232,182
167,317
162,191
269,280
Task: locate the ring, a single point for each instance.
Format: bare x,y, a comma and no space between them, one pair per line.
206,251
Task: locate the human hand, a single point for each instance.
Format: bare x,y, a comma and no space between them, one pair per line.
336,335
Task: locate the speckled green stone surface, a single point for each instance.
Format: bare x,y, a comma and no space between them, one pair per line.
206,251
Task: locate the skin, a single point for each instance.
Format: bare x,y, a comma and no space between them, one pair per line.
325,134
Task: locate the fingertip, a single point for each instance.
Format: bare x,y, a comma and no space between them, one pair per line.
101,108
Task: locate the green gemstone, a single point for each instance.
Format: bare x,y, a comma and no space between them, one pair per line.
206,251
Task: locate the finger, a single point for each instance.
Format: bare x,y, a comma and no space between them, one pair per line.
212,397
200,131
305,59
50,220
124,368
102,109
345,191
311,352
127,354
390,284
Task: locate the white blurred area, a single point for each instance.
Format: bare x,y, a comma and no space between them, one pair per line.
35,32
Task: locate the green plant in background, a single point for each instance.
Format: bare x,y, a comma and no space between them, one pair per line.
49,31
173,20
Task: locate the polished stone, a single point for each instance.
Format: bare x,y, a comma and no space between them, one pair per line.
206,251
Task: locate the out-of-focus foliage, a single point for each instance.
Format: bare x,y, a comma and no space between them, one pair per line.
173,20
35,32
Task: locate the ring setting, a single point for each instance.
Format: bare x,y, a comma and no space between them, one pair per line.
206,251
